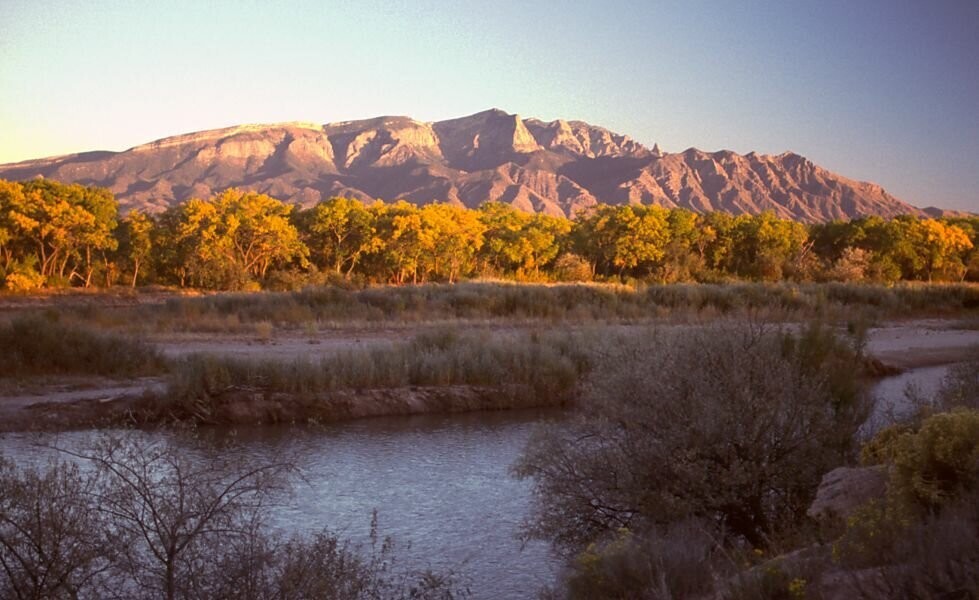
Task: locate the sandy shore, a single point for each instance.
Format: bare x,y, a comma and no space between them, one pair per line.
916,344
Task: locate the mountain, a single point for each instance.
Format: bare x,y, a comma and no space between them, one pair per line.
560,168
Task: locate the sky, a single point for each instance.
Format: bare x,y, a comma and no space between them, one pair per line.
877,90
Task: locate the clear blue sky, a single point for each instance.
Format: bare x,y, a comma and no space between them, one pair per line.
886,91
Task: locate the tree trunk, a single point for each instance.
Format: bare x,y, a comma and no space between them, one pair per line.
136,273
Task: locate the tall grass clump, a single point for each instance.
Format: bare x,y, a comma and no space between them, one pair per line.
36,345
534,367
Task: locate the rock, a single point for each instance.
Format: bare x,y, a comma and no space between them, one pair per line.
844,489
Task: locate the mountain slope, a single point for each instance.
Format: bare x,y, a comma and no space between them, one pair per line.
559,168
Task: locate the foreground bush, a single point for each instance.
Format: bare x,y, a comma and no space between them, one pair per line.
922,539
735,424
678,561
961,386
934,464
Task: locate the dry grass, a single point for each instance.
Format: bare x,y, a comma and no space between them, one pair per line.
35,345
531,369
332,307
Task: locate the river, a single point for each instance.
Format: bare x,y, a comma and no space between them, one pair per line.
440,484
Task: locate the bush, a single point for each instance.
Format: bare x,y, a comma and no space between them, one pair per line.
933,465
673,562
732,423
887,554
49,534
23,282
571,267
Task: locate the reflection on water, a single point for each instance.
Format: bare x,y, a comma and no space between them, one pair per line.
439,483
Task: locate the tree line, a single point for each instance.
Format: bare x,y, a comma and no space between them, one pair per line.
58,235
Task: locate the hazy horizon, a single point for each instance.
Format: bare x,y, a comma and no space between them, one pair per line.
879,91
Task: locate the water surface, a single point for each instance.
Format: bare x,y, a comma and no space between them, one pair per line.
440,484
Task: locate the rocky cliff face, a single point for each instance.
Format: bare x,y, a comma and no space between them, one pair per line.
560,168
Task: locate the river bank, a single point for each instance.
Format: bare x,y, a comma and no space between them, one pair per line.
239,396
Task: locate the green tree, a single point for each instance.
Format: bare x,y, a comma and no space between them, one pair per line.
623,237
763,246
400,226
225,241
11,193
136,242
450,236
503,226
66,225
515,241
340,231
683,258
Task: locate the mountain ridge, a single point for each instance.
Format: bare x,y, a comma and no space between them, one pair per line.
558,167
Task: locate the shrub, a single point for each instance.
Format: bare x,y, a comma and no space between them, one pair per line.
149,519
871,534
935,464
671,562
886,554
732,423
23,282
49,534
571,267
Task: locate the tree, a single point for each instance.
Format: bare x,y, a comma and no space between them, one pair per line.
141,517
50,538
340,231
400,226
942,247
516,241
11,194
680,261
168,514
222,242
450,236
763,245
503,226
136,241
255,231
543,237
66,225
190,246
623,237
